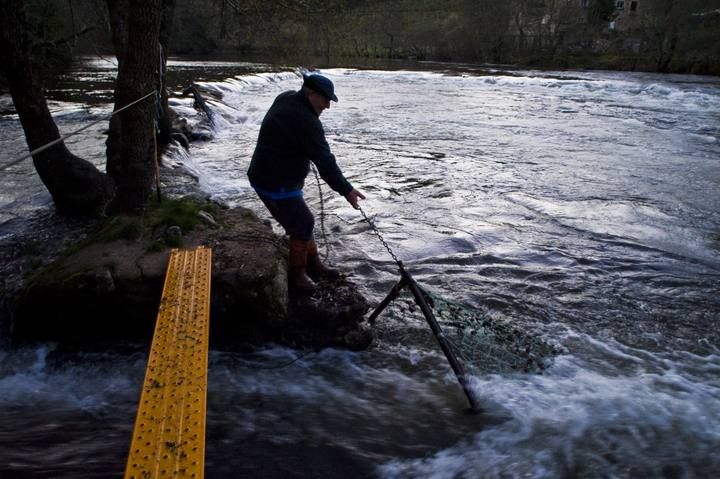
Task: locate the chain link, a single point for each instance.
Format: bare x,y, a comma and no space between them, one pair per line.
326,243
382,240
369,221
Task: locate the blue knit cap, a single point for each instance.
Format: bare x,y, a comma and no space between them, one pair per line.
320,84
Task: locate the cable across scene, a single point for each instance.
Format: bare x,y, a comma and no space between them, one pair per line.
65,137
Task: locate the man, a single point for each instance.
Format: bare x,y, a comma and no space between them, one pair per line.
291,136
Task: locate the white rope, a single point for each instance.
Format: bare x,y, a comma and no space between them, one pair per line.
65,137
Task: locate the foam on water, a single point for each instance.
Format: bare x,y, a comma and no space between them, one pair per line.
591,420
87,382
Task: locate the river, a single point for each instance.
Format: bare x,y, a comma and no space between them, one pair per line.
580,207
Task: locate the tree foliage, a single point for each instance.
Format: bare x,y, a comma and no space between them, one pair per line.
550,32
667,35
600,11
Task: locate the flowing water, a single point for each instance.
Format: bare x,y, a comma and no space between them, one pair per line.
582,207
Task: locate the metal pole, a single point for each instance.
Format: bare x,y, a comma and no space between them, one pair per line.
394,292
456,365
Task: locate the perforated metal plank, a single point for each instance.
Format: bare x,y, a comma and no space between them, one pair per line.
169,435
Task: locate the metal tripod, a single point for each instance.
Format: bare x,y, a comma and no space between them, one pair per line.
406,280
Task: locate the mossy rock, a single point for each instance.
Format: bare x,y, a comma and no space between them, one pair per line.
109,286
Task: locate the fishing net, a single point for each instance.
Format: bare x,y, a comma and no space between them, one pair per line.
482,344
485,344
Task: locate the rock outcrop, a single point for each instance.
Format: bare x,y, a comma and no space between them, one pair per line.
109,290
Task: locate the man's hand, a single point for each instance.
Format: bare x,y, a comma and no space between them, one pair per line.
353,197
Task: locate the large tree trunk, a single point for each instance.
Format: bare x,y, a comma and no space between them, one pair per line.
76,186
131,145
167,115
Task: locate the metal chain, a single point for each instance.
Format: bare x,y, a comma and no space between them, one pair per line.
322,214
369,221
382,240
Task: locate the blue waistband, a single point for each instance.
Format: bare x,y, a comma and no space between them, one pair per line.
278,195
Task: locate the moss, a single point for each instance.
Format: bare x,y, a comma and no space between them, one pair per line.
38,276
36,263
174,242
54,273
73,278
118,227
181,212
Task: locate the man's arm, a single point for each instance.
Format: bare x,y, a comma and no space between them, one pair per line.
317,149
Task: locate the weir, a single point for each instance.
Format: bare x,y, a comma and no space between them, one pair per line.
169,435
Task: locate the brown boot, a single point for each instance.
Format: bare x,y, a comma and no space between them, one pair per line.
298,279
315,267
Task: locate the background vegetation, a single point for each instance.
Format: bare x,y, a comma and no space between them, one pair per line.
652,35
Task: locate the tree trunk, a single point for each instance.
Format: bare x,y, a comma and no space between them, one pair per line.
131,144
76,185
119,10
521,33
166,118
118,16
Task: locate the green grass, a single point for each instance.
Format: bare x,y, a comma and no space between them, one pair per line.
181,212
149,225
118,227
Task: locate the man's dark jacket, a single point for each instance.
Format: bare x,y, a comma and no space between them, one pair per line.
291,136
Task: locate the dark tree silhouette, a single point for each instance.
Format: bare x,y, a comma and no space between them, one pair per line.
131,144
76,186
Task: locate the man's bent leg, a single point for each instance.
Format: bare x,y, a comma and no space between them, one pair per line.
298,279
294,215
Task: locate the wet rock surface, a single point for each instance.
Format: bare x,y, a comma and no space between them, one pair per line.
332,315
109,291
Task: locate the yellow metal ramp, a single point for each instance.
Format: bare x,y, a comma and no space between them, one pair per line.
169,435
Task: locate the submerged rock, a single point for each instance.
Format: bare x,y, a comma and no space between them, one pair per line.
330,316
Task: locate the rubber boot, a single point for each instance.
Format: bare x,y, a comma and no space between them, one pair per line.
315,267
298,279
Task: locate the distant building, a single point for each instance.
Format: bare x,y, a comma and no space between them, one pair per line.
622,5
626,15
